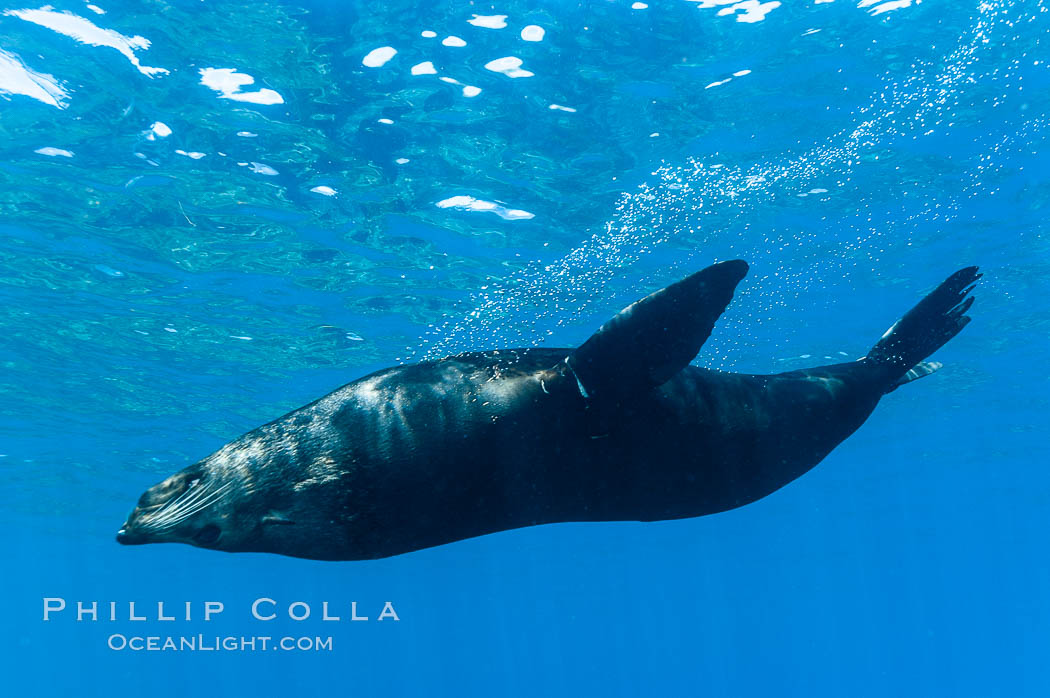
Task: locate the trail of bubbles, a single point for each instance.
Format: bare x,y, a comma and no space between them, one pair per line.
922,104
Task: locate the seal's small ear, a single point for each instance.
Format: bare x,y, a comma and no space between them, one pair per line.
651,340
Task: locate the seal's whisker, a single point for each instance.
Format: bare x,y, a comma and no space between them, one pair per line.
177,512
200,506
197,507
184,500
189,508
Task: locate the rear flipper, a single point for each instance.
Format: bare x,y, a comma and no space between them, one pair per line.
924,329
919,370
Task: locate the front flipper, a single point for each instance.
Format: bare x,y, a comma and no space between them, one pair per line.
651,340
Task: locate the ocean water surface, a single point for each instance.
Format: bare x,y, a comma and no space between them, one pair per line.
214,212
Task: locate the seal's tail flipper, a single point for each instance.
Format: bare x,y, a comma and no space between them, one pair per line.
653,339
926,328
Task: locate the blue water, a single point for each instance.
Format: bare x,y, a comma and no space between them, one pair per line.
216,212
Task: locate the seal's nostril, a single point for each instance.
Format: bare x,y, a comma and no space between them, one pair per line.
130,537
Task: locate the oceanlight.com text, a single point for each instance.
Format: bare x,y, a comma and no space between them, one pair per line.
217,643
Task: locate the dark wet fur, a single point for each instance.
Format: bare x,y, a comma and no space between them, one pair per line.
417,456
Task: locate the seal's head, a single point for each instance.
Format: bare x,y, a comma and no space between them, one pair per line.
192,506
232,500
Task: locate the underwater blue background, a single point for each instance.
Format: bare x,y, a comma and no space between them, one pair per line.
212,213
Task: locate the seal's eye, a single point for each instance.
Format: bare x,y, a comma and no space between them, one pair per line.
207,535
193,483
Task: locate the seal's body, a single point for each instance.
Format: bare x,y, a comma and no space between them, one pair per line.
621,428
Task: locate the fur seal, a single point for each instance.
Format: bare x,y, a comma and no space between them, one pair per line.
620,428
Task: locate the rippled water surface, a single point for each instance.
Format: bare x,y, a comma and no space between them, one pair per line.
214,212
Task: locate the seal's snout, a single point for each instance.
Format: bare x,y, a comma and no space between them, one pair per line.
127,535
171,510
